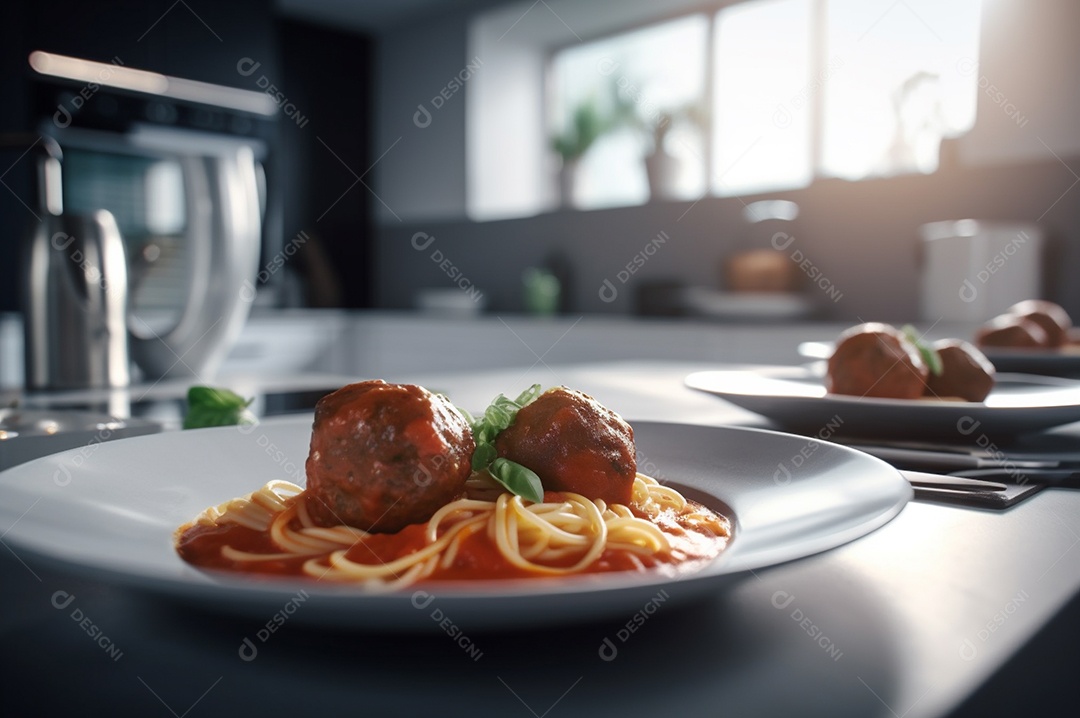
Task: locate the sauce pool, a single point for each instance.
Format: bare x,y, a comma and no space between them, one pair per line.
478,558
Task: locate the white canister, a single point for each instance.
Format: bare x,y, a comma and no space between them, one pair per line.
974,270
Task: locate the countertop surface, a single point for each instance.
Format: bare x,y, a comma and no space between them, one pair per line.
944,610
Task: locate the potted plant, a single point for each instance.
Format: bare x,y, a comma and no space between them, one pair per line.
661,167
587,124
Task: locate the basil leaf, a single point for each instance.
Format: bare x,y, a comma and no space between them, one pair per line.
498,417
929,355
216,398
202,417
527,396
518,479
932,359
485,453
208,406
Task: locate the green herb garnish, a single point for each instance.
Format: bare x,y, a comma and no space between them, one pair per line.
208,406
520,480
497,417
928,353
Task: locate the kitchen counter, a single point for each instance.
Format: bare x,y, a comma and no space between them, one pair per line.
942,610
395,344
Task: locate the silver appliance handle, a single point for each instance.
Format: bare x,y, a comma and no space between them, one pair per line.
224,239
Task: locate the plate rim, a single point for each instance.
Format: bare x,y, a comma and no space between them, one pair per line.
800,372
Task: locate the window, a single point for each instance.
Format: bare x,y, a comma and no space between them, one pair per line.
896,84
843,88
761,129
641,89
594,105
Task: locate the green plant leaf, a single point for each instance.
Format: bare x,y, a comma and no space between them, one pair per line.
929,355
588,121
497,417
528,396
209,406
518,479
483,456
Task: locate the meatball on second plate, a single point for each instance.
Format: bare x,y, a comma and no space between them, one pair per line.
384,456
1053,319
1011,331
574,444
876,360
966,373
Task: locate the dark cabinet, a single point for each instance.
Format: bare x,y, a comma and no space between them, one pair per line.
324,152
195,39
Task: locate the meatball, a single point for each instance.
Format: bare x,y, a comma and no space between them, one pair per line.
966,373
876,360
1051,317
384,456
1012,332
575,444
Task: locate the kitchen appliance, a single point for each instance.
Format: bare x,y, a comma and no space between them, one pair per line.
973,270
76,304
73,285
179,165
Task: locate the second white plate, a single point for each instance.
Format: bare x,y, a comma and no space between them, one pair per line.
795,398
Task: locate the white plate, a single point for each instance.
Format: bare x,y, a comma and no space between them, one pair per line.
1058,362
816,350
112,515
795,398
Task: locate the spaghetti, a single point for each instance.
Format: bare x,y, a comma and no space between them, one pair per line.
489,533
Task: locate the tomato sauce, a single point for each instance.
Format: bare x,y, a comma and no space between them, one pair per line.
477,558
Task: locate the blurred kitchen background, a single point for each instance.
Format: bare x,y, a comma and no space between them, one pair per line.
726,161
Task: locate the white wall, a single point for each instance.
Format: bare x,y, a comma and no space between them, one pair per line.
1029,92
